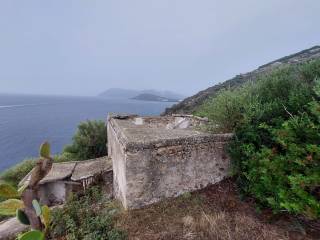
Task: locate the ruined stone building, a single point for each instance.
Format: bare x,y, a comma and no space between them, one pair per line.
70,177
159,157
149,159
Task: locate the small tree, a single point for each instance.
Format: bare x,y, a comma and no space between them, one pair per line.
90,141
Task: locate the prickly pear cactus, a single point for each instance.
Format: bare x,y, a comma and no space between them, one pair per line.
37,207
46,216
28,211
32,235
10,206
22,217
43,165
7,191
45,150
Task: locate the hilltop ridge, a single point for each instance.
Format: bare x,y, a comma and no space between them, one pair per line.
190,104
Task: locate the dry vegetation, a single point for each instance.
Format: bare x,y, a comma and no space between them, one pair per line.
213,213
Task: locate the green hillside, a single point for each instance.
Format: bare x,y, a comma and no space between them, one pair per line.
190,104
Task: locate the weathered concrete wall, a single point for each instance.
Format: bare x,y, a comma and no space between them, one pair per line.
117,153
146,172
162,172
52,193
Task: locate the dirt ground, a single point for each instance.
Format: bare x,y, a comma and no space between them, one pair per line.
215,213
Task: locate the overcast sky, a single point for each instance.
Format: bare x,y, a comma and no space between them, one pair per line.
82,47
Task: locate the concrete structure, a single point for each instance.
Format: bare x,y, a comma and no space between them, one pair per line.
160,157
66,178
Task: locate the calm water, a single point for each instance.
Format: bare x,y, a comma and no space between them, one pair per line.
26,121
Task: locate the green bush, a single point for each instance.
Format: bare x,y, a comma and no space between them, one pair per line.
275,151
86,217
286,174
90,141
225,110
14,174
268,98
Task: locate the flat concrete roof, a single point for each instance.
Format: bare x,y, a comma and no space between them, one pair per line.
144,132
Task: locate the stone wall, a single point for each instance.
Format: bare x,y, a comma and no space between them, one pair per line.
52,193
147,172
117,152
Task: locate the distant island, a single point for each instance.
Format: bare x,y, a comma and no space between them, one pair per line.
145,95
154,98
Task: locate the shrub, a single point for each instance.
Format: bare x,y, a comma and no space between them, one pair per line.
14,174
27,209
269,98
90,141
286,174
275,151
87,217
225,110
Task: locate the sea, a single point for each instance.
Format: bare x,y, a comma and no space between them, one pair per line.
28,120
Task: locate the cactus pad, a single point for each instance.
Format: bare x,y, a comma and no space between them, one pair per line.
7,191
46,216
36,207
10,206
32,235
22,217
45,150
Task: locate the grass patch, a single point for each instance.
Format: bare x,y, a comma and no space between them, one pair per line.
214,213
